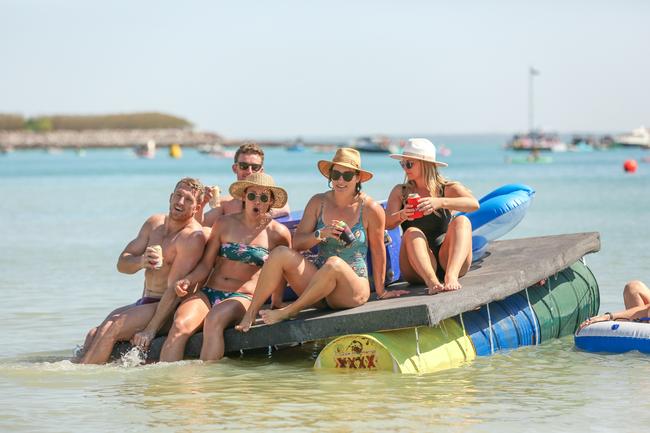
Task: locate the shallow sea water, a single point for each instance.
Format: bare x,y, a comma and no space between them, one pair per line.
65,219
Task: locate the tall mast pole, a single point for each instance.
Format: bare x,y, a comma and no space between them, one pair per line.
530,101
531,96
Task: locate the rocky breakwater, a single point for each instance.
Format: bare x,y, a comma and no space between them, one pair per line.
105,138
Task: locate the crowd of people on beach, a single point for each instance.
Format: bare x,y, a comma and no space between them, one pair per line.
212,270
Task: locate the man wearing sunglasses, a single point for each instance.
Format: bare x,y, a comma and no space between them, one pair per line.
249,159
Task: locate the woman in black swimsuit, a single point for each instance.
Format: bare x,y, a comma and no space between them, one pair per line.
435,245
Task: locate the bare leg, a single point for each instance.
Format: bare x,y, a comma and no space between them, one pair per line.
187,320
420,259
119,327
283,264
221,316
635,294
91,334
335,281
456,251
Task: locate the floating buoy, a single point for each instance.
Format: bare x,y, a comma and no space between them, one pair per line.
630,165
175,151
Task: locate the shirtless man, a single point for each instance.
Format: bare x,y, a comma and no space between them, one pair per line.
183,241
249,158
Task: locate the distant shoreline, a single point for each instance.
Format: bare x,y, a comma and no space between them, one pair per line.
117,138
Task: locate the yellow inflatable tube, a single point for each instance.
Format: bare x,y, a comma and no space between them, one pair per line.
413,350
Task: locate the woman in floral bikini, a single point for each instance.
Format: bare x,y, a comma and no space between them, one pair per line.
239,245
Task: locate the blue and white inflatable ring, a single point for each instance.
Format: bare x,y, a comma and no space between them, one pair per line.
614,337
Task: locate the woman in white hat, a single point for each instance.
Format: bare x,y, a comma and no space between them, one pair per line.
221,287
338,278
435,245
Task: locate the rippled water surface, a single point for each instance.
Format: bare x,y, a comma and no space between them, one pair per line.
66,218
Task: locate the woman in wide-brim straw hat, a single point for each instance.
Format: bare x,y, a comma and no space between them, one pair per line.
435,245
338,277
239,245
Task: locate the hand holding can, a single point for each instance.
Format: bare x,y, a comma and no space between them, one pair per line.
157,250
412,201
215,196
346,235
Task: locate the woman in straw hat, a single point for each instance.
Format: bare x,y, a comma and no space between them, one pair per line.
338,278
221,286
435,245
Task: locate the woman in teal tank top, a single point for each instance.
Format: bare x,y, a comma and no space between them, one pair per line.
338,277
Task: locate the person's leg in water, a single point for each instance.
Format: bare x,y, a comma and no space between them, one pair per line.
187,320
118,327
90,336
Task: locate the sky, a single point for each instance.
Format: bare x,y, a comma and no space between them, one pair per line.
332,68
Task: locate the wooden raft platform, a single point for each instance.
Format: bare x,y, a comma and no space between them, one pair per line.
508,267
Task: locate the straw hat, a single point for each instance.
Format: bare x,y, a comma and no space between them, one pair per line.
259,179
346,157
419,148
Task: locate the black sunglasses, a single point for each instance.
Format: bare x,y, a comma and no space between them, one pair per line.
245,165
407,164
264,197
347,175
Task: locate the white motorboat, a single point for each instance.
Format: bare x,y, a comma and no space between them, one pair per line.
640,137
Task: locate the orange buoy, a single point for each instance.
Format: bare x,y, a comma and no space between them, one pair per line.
630,165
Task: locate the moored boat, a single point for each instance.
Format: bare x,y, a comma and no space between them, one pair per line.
147,150
640,137
537,141
374,144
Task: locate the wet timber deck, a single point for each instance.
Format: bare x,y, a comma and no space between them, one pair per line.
508,267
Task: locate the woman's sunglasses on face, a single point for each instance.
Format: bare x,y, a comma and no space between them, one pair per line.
347,175
245,165
407,164
264,197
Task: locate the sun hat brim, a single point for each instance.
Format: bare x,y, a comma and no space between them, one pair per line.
325,166
401,156
280,196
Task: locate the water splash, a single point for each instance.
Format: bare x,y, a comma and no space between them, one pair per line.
133,358
78,352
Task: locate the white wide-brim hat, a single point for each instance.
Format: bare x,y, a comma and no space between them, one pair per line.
419,148
259,179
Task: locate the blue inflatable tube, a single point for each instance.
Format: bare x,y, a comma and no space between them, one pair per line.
500,211
614,337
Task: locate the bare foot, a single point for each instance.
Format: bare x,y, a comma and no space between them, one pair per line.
436,287
274,316
451,284
246,323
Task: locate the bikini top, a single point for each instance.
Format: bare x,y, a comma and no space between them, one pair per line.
249,254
